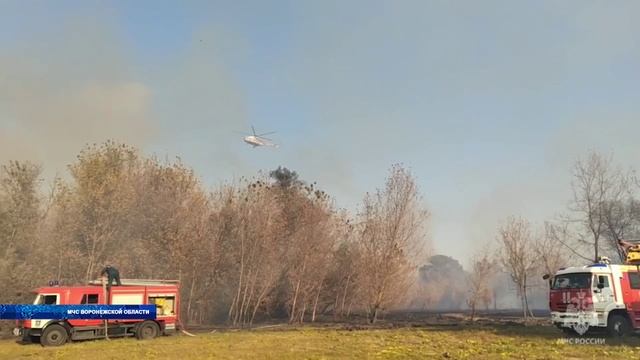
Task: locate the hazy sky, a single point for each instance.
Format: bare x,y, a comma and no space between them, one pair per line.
488,102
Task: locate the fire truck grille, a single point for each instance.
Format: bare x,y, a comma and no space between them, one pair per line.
561,307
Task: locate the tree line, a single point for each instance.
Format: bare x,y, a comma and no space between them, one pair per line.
272,246
603,210
276,247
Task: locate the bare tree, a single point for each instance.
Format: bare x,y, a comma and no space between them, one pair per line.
518,256
392,237
103,194
309,253
550,249
19,222
342,280
255,250
601,212
483,269
20,184
622,218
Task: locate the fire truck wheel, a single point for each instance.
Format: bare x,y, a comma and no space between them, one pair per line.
147,330
618,326
54,335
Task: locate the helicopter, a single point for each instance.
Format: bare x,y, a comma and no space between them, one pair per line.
256,140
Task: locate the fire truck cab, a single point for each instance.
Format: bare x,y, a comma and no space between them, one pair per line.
53,332
598,296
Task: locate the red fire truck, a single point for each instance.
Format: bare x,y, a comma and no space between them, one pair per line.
163,293
597,296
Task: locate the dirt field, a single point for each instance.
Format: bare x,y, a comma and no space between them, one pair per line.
457,341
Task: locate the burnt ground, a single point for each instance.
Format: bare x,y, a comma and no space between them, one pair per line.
398,319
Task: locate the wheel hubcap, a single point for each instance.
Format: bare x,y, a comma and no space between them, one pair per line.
55,337
619,328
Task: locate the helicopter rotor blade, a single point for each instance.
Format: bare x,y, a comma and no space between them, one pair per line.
262,137
254,130
267,133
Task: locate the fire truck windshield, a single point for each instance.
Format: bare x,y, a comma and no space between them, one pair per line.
46,299
572,281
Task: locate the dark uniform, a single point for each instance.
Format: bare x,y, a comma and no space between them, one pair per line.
112,274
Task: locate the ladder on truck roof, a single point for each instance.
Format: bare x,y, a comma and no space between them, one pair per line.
139,282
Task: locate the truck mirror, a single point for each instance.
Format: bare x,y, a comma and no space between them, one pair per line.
545,276
600,285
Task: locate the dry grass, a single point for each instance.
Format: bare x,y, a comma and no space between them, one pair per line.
448,342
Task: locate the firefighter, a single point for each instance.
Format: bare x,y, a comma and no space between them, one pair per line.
627,248
112,274
625,245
